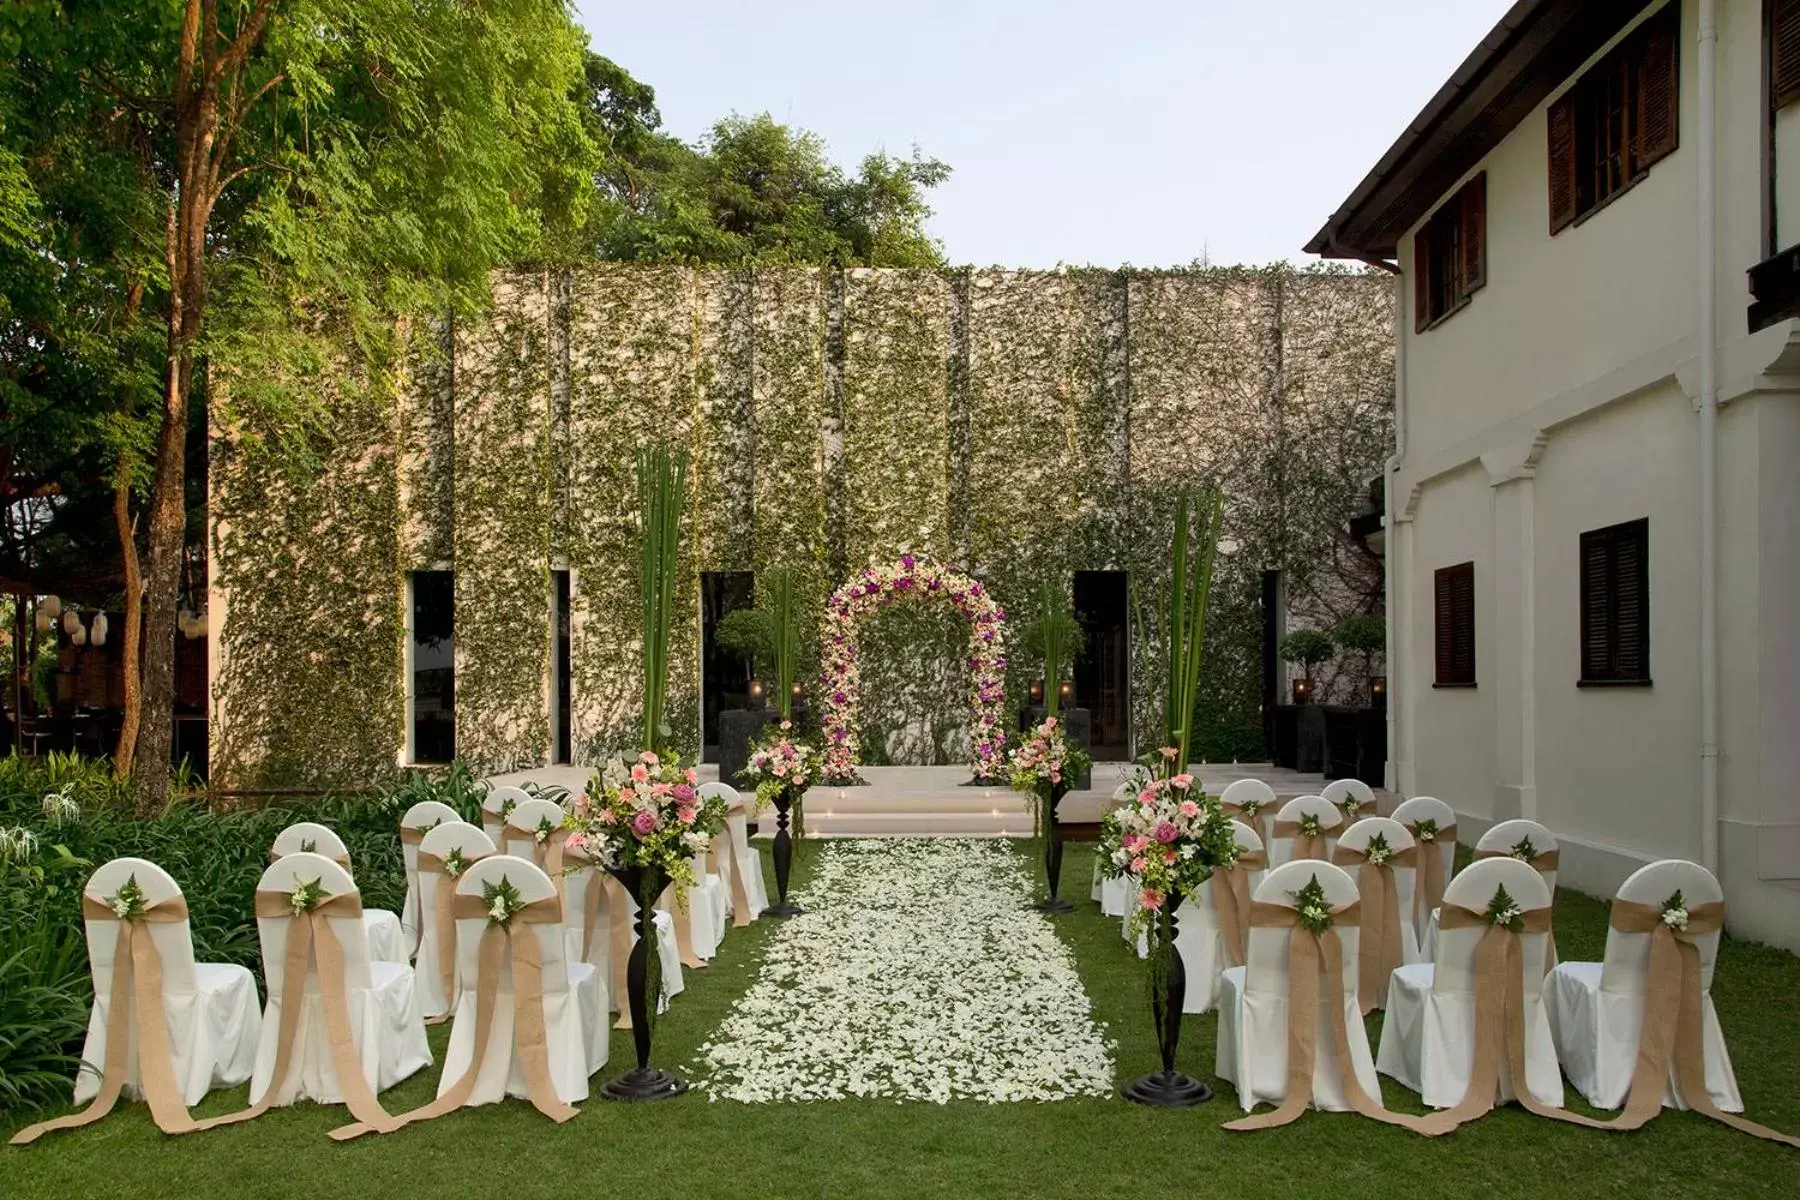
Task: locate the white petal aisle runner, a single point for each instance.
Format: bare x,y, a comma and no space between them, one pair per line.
917,973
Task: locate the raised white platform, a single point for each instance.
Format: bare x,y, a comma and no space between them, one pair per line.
937,801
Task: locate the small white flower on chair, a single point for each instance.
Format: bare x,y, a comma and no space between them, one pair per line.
1675,914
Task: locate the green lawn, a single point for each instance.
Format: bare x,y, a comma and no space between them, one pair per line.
1079,1148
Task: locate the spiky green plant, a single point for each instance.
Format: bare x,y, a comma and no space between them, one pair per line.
662,483
1190,587
1053,634
784,628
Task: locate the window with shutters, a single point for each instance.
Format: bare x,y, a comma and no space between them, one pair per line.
1455,625
1784,52
1450,255
1615,604
1618,121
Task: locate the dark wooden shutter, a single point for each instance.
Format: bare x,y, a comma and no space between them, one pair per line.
1596,607
1659,70
1784,52
1562,163
1615,604
1474,233
1454,625
1421,266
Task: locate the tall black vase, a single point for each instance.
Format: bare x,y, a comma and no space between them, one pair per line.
1053,853
642,1082
1168,1088
784,859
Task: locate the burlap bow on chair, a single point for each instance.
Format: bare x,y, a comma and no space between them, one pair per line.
1231,900
412,835
740,891
1382,951
500,939
136,976
1670,1034
310,936
1428,892
1543,864
1254,814
1310,955
444,924
1309,846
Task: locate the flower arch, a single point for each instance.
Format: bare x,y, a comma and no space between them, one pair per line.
840,681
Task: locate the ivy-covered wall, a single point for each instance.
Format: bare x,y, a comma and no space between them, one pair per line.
1022,425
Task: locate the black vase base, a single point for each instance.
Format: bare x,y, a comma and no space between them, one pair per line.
644,1083
1054,904
788,909
1167,1089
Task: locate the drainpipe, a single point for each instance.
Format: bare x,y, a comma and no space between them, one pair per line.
1707,162
1390,548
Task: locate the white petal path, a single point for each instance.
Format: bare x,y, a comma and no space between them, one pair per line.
918,972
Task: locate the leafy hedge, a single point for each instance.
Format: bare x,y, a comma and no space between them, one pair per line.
216,856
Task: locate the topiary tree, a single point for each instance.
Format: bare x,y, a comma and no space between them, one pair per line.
747,633
1307,648
1364,634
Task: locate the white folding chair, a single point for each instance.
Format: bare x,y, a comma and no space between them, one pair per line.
1424,815
1287,843
1428,1035
1251,801
1597,1009
747,883
574,1009
1352,854
1112,891
386,941
415,823
1252,1051
1201,937
386,1027
209,1009
496,805
1510,839
1354,798
435,972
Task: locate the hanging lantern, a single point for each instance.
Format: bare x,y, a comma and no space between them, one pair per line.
98,631
52,607
78,635
71,621
43,621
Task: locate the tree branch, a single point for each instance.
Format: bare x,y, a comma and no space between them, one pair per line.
247,37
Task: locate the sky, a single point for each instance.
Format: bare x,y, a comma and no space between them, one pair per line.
1087,132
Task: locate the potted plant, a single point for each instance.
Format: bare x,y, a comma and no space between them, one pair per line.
745,632
1306,648
1364,634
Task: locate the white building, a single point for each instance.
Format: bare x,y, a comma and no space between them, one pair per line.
1593,507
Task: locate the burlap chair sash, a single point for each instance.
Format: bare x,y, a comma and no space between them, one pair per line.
530,1028
342,860
1381,952
740,891
1428,892
1312,847
309,938
1311,955
1670,1033
442,897
1259,820
136,976
684,927
1231,900
1543,864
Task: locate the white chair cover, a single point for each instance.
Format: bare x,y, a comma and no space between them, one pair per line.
1252,1050
415,823
498,802
1112,892
1201,939
574,1008
1596,1009
210,1009
702,917
1428,1035
585,896
1283,833
1355,841
386,940
1502,838
1241,795
385,1022
746,864
1411,813
1354,798
437,945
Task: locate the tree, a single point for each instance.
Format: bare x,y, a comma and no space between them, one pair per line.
317,168
1307,648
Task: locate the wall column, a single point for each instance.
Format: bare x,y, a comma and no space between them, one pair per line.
1511,626
1406,678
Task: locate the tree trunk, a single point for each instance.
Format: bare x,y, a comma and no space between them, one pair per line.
132,634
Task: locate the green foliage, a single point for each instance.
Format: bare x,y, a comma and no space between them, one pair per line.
1190,590
1363,633
1054,636
662,481
747,633
784,629
1307,647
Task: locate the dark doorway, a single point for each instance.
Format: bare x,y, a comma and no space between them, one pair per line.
724,678
1103,672
559,631
433,667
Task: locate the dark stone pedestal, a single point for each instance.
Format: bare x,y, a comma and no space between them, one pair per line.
1309,748
1078,727
736,727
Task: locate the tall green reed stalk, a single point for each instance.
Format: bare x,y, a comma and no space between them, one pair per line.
662,482
784,621
1190,587
1054,634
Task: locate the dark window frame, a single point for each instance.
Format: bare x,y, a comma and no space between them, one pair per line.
1453,640
1621,118
431,687
1450,255
1614,616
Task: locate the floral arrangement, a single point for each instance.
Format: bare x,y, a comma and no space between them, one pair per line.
1349,806
127,903
545,828
1170,838
1377,852
779,762
455,862
502,900
306,894
840,678
1427,830
1523,850
1310,826
647,815
1504,911
1046,759
1675,913
1313,907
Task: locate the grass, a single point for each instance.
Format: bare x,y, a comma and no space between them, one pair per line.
1092,1149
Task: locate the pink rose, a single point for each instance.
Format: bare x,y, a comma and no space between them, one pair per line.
1150,898
644,824
1147,796
1165,832
684,794
799,777
638,773
1183,780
